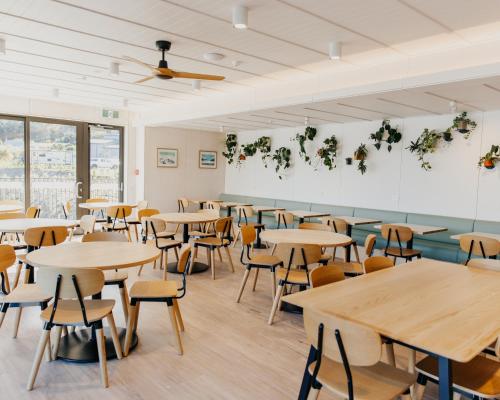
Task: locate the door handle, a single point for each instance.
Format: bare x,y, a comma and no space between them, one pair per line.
78,190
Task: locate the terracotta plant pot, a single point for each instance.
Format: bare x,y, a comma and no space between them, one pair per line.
348,161
462,127
489,164
359,157
242,157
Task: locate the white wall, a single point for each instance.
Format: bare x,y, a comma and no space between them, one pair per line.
163,186
394,181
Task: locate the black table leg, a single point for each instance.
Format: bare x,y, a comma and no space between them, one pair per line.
409,244
185,233
258,243
305,387
445,379
348,248
301,220
229,209
197,266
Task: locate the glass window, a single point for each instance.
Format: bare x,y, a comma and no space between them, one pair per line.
12,159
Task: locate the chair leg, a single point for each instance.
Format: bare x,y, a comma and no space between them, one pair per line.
175,327
114,335
255,278
101,349
48,351
3,311
276,302
6,280
165,276
220,255
356,252
243,283
55,346
128,236
389,351
230,259
313,394
17,320
130,328
136,233
42,343
176,252
273,283
212,261
178,315
18,274
193,258
125,300
420,387
141,267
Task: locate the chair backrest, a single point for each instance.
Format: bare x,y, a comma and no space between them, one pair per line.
283,217
244,212
67,206
33,212
154,225
87,223
298,254
183,259
104,237
377,263
97,200
370,241
45,236
248,235
325,275
493,265
315,226
479,246
213,205
7,257
119,212
182,204
12,215
337,225
362,345
90,281
141,205
223,227
396,233
147,212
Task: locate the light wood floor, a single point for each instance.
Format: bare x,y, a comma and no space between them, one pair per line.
229,350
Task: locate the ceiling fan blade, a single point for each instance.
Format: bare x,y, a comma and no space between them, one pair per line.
136,61
147,78
191,75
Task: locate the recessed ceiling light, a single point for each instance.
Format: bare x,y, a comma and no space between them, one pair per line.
453,106
196,84
335,50
235,63
2,46
114,68
213,56
240,17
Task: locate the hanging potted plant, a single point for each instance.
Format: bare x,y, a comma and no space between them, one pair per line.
464,125
231,144
282,157
489,160
447,135
426,143
328,152
360,155
387,134
263,144
309,135
247,150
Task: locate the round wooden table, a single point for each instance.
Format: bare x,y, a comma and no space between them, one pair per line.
81,346
103,205
186,219
10,208
305,236
19,225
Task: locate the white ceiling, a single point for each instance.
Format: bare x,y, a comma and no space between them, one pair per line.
69,44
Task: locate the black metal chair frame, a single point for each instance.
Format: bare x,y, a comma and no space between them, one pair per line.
418,255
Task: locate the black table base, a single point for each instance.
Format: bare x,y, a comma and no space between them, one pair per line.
198,267
80,347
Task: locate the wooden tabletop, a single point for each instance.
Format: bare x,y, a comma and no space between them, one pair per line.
100,255
104,205
305,236
309,214
227,204
203,201
488,235
10,208
268,208
19,225
443,308
187,218
359,220
419,229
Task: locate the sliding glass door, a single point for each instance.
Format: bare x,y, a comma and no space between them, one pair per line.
12,165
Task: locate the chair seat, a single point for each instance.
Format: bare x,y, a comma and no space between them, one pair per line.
480,376
378,382
395,251
69,313
295,276
27,293
114,276
154,289
211,241
119,226
22,258
265,259
200,234
325,258
165,234
349,267
168,243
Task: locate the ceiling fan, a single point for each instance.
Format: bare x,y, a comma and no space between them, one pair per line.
163,72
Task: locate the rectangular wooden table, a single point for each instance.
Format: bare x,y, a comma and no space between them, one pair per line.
260,210
446,310
353,221
301,215
488,235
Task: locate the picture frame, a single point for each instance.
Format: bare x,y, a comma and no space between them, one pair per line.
167,158
207,159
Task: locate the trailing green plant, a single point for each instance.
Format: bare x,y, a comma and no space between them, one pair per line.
426,143
489,160
447,135
386,133
360,155
309,134
248,149
282,158
464,124
328,152
263,144
231,144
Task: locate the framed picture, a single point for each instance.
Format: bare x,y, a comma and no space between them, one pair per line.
167,158
208,159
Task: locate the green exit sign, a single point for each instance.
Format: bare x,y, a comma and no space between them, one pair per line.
110,113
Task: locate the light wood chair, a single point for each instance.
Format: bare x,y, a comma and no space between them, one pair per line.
314,226
325,275
348,361
244,214
160,291
33,212
118,215
113,277
182,204
87,224
400,234
255,261
283,217
355,268
295,271
221,240
12,238
141,205
476,245
67,207
213,205
69,287
145,213
205,229
98,200
377,263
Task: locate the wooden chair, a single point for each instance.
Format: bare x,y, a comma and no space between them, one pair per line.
475,245
300,257
213,205
35,238
205,229
348,361
12,238
314,226
160,291
325,275
221,240
356,268
182,204
141,205
145,213
113,277
244,214
283,217
255,261
69,287
87,224
118,215
33,212
377,263
67,208
98,200
163,240
399,234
